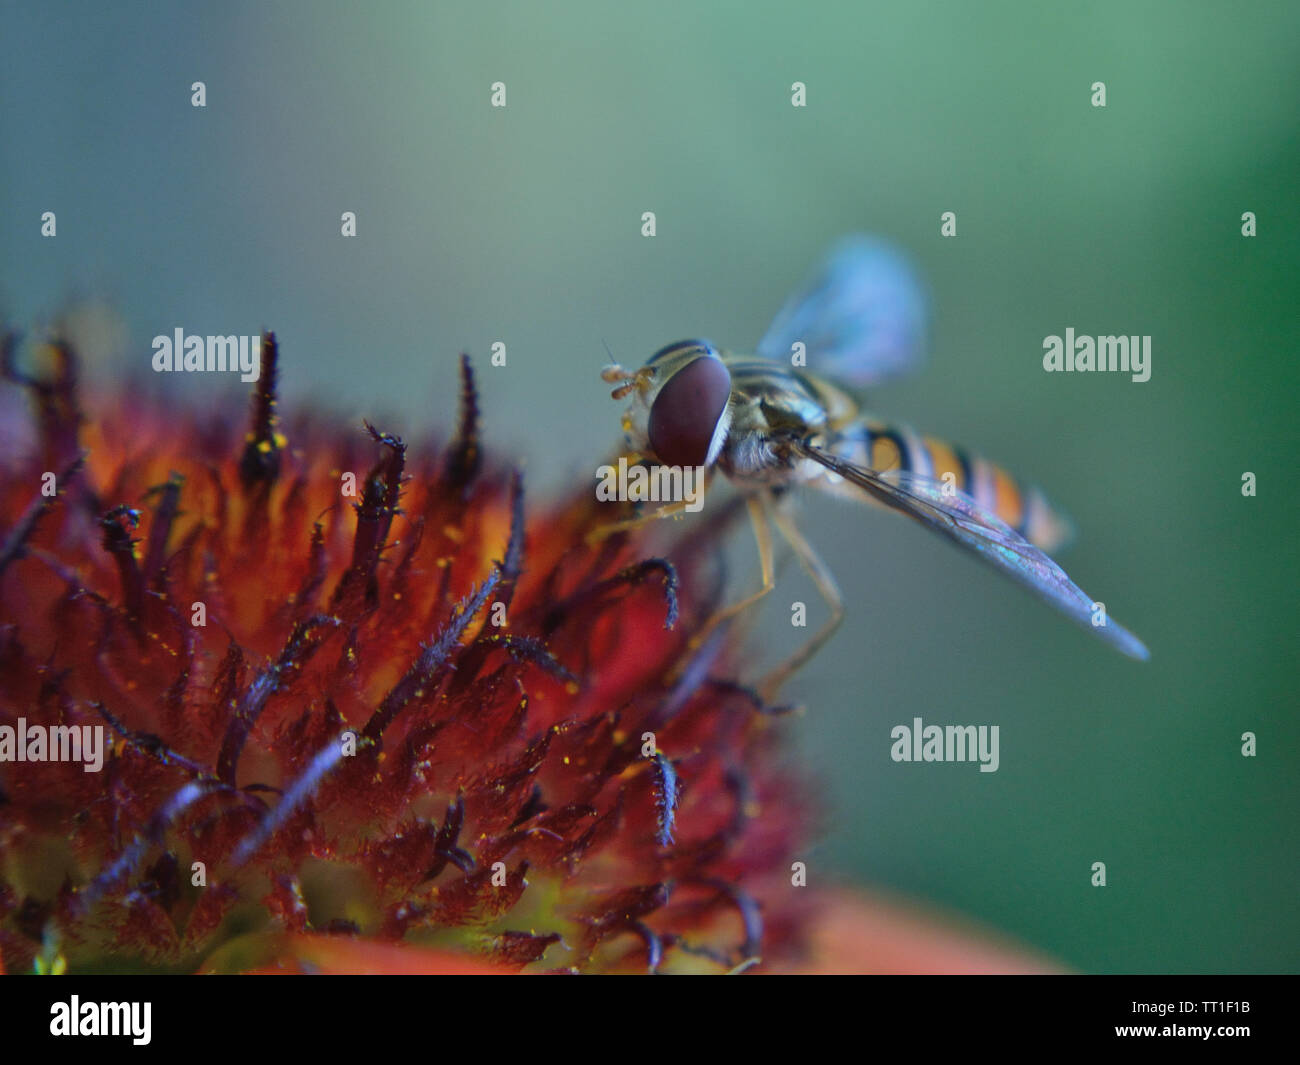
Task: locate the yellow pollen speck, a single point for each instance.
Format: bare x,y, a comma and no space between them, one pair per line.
452,533
264,446
566,759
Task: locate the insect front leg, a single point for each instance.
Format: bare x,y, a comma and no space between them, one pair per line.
826,586
602,532
668,510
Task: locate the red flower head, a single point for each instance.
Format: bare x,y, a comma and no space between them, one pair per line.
354,688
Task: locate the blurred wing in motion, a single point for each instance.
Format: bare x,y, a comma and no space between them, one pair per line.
861,317
958,517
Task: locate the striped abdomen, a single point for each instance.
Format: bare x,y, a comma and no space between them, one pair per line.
883,447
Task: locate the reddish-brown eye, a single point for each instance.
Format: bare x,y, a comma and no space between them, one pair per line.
686,412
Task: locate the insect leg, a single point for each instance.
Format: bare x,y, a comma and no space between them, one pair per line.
825,582
668,510
758,514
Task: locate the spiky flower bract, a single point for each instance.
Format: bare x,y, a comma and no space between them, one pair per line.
362,690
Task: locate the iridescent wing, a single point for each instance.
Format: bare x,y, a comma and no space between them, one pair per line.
861,316
958,517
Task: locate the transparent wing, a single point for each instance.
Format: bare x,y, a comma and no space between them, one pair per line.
861,316
958,517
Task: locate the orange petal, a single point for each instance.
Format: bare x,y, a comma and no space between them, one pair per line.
854,932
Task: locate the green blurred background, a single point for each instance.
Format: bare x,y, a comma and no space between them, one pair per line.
523,225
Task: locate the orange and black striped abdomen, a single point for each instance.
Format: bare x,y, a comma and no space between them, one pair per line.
885,447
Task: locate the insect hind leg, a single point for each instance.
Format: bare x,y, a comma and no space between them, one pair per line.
826,587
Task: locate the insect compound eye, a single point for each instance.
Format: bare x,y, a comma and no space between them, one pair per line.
686,412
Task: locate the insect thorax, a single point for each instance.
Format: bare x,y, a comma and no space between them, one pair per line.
770,402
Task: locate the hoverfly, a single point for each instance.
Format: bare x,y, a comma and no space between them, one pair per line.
768,426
